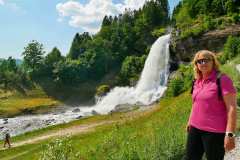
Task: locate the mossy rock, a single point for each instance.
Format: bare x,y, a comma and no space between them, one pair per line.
102,90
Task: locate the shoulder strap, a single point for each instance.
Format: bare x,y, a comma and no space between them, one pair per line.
193,82
219,74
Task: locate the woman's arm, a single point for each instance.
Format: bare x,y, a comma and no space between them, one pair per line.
231,105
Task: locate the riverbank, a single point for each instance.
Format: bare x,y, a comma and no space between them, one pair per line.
34,102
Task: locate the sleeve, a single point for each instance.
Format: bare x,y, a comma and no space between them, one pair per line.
227,85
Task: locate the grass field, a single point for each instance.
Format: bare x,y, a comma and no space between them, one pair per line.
149,133
36,101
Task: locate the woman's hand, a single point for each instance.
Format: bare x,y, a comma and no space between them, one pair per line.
229,143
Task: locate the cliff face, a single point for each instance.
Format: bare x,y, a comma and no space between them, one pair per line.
184,50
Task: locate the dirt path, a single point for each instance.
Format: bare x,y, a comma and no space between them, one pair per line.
82,128
73,130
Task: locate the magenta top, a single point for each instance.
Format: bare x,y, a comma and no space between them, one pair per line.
209,113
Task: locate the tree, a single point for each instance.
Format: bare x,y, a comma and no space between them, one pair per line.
218,7
230,6
106,21
79,45
8,65
51,61
53,57
33,55
12,77
231,48
131,69
11,64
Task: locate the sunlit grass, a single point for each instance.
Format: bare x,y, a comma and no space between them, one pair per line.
36,101
156,132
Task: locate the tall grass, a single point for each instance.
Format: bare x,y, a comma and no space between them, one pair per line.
160,135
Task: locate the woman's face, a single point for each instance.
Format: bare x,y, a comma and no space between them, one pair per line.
204,64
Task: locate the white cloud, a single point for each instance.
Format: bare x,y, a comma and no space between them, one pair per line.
2,2
89,16
12,6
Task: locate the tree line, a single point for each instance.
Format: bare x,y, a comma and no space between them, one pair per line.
121,46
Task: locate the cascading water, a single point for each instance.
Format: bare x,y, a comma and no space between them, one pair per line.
149,88
151,85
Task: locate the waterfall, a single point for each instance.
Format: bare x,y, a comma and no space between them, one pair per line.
150,86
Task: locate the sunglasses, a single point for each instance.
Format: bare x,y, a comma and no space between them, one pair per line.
203,61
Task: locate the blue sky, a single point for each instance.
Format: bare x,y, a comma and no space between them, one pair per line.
53,22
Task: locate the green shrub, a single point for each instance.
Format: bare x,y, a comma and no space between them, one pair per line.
59,149
159,32
182,81
175,87
131,69
231,49
209,23
236,18
102,90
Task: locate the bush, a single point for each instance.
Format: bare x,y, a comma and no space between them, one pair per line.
159,32
175,87
131,69
182,81
209,23
231,49
235,18
59,149
102,90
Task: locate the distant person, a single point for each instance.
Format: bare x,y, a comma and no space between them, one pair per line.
212,122
7,140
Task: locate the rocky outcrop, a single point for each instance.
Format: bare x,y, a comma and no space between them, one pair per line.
184,50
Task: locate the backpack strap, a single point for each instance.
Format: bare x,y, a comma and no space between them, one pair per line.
193,82
219,74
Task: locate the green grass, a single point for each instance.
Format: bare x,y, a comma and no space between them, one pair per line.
161,131
36,101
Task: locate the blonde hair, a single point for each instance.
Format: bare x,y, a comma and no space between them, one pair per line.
206,54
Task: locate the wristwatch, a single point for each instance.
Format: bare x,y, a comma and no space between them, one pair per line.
230,134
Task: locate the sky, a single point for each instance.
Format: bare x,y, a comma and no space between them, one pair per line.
54,22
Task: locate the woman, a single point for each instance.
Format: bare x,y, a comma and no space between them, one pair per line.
212,121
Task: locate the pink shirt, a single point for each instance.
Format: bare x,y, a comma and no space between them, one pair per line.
208,111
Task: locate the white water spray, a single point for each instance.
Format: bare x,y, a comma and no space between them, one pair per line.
151,85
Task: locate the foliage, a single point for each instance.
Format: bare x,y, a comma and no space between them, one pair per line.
181,81
59,149
33,55
79,45
91,57
131,69
13,77
231,49
195,17
51,61
102,90
159,32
